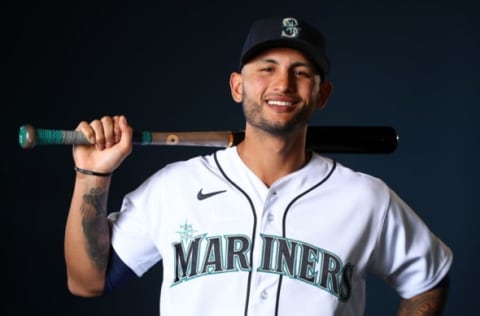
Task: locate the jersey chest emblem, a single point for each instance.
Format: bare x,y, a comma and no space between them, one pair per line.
202,196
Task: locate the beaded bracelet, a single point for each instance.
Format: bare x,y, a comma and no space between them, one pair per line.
92,173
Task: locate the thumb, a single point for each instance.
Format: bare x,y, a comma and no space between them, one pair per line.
127,132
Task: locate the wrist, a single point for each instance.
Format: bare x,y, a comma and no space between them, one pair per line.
92,173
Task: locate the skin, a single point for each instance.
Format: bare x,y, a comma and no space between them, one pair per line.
429,303
279,90
274,143
87,231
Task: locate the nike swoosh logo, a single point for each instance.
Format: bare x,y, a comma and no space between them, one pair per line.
203,196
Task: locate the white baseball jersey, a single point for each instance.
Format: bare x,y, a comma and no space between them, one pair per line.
232,246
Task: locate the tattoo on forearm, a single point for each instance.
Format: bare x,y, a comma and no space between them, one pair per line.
430,303
95,226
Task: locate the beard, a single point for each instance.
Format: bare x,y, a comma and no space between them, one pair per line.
253,112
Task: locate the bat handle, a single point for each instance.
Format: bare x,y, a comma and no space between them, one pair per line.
29,137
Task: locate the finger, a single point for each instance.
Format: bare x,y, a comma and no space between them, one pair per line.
108,125
98,129
117,128
87,131
126,132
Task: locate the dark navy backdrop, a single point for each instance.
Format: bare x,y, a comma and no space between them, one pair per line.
410,64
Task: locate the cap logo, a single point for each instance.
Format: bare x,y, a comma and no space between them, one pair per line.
290,28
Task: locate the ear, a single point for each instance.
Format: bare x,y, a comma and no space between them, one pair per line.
324,93
236,87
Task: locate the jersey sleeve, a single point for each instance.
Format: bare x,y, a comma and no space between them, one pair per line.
131,236
408,255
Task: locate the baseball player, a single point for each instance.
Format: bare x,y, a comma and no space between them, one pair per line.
262,228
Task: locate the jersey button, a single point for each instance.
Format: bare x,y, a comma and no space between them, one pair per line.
264,295
270,217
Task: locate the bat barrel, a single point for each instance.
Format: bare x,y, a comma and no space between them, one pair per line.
352,139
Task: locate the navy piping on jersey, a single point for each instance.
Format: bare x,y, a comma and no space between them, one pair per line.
284,228
255,225
253,231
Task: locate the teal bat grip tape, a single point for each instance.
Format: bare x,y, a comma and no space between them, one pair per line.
47,136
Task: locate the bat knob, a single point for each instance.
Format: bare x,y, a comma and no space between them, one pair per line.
27,136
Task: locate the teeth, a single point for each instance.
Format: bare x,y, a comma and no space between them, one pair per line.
280,103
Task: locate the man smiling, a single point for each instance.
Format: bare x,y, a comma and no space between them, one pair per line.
284,231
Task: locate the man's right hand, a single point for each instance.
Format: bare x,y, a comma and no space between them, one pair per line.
111,138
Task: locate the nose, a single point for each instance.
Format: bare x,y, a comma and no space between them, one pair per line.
284,81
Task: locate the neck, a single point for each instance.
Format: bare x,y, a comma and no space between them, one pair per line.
271,157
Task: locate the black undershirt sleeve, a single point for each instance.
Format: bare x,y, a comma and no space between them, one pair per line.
118,273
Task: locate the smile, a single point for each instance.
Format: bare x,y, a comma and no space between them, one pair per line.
280,103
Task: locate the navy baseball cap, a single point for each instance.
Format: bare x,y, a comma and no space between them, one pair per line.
288,32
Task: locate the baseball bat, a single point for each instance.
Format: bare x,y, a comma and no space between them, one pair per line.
323,139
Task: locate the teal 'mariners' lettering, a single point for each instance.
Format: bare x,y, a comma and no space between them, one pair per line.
291,258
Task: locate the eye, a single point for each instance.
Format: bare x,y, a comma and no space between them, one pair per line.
303,73
266,69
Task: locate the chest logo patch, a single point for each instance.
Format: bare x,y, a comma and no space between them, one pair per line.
202,196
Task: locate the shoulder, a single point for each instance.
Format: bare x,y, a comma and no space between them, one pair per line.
193,164
345,178
184,170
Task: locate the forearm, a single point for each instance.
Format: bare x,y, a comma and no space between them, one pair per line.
430,303
87,236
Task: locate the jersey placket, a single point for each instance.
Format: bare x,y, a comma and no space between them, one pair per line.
264,294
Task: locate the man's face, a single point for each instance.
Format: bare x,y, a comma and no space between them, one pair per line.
280,89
